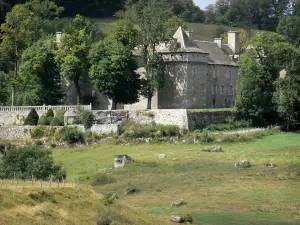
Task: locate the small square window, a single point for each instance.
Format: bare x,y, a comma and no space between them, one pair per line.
222,89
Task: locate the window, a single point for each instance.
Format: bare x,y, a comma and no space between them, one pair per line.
215,74
93,93
98,104
222,89
194,72
214,102
231,90
214,89
230,75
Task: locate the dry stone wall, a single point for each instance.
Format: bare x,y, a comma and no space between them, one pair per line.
15,132
199,120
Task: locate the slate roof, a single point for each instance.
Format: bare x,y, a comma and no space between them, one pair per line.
217,55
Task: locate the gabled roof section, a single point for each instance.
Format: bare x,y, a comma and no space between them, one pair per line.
217,55
183,42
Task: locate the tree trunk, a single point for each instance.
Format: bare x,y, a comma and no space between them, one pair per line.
77,87
114,105
149,102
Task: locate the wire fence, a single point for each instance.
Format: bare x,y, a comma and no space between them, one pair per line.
33,183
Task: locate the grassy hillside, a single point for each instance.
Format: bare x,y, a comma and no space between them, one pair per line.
216,191
204,32
63,206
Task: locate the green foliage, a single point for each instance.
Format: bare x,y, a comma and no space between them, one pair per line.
72,55
23,163
50,113
32,118
228,126
59,112
187,218
124,33
57,121
289,27
4,84
113,71
43,121
173,23
38,132
109,198
134,130
40,77
86,117
71,135
154,77
101,179
258,71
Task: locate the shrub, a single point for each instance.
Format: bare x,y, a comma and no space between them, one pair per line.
32,118
49,119
86,118
38,132
50,113
101,179
187,218
27,162
43,121
38,143
71,135
59,112
109,198
56,122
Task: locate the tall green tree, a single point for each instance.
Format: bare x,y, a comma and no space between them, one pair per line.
113,71
259,69
151,18
4,90
39,74
154,78
290,28
72,53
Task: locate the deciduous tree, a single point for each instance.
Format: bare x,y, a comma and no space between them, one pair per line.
113,71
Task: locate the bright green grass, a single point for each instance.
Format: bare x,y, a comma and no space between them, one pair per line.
216,191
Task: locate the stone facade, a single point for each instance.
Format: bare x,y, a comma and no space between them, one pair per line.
200,74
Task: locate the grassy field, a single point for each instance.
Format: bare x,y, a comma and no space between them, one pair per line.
64,206
216,191
204,32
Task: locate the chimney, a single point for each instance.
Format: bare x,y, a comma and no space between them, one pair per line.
234,41
219,41
190,34
58,37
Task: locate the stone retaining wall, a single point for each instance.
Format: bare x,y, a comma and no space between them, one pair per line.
101,128
15,132
199,120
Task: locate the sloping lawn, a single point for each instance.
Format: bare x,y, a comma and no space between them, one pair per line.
216,191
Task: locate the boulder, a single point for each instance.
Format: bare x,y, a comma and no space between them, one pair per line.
270,165
214,149
122,160
163,156
243,164
176,219
178,203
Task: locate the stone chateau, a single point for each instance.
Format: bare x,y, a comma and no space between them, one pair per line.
200,74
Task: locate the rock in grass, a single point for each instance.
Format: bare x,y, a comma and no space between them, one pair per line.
243,164
178,203
176,219
213,149
122,160
131,190
270,165
163,156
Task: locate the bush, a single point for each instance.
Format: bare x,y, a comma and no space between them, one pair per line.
59,112
38,132
56,122
43,121
187,218
32,118
71,135
101,179
109,198
49,120
86,118
50,113
27,162
135,130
